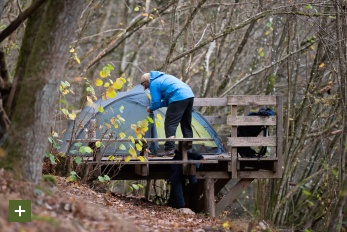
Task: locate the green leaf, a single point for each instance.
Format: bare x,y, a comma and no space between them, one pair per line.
65,111
78,160
50,140
307,193
101,179
74,152
107,178
110,67
98,144
137,8
308,6
135,186
78,144
121,108
122,147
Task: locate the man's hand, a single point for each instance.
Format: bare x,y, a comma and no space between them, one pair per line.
149,110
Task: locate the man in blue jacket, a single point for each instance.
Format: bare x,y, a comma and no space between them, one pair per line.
168,91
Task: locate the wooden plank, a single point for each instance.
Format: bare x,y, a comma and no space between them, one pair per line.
233,165
156,162
251,120
209,204
235,191
213,175
259,174
210,102
253,100
216,119
258,159
252,141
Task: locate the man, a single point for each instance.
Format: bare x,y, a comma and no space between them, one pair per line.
168,91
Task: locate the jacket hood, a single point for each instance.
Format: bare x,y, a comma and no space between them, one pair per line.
155,74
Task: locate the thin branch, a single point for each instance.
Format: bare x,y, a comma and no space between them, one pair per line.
23,16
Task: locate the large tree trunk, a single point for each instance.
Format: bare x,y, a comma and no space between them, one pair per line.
34,112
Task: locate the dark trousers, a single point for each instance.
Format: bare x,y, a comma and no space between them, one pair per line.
178,112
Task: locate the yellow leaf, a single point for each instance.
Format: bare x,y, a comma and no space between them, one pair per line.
159,116
72,116
121,108
98,82
122,79
148,95
115,125
72,50
100,109
139,136
111,157
144,14
141,158
321,65
226,225
132,139
132,152
108,125
157,124
98,144
111,93
106,85
127,159
138,147
77,60
122,135
113,120
103,74
117,85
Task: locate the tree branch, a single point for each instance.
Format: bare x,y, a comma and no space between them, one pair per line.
21,17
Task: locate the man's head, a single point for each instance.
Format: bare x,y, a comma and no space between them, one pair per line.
145,80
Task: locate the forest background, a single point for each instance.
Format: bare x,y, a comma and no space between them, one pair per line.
296,49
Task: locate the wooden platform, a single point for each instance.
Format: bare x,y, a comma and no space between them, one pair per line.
217,170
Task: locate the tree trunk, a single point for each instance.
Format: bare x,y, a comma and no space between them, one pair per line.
34,113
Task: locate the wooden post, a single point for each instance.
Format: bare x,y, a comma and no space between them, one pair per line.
209,197
279,135
182,147
233,149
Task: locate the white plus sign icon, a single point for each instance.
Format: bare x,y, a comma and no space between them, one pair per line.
20,211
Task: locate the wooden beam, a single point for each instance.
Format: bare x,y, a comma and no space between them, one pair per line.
257,100
279,135
259,174
251,120
210,102
213,175
251,141
209,203
235,191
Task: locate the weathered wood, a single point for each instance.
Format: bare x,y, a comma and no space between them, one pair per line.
252,100
210,102
213,175
251,120
232,195
233,164
251,141
258,159
156,162
209,197
259,174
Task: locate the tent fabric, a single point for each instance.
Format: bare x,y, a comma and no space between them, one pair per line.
134,103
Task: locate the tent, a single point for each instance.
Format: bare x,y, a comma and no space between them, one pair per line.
131,106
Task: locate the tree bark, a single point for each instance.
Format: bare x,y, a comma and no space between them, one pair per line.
34,112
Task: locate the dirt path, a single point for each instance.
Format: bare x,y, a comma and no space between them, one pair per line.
73,207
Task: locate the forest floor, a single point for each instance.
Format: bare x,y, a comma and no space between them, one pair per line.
63,206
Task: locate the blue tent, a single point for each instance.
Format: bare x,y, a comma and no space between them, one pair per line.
131,106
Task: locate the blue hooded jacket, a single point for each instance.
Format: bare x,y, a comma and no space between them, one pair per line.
166,89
